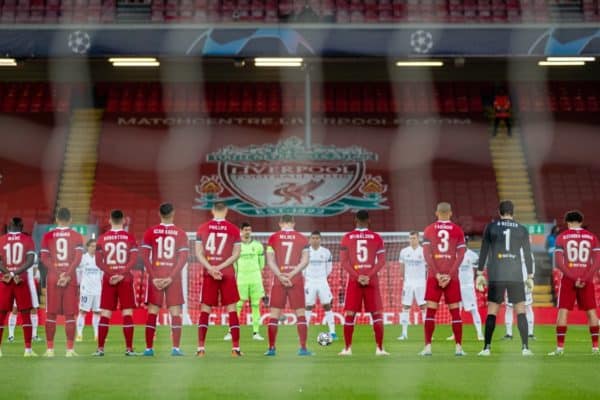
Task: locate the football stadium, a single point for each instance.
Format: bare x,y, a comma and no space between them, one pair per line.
299,199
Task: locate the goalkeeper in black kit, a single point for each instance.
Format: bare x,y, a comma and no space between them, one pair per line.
501,252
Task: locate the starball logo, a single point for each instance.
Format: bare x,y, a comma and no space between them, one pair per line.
290,178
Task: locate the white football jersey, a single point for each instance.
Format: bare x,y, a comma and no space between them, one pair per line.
415,269
319,264
466,275
91,276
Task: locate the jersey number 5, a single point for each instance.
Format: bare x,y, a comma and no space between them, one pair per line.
362,251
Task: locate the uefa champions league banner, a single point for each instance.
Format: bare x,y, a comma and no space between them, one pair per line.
232,41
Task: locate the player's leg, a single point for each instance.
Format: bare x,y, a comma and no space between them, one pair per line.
35,304
420,300
23,301
35,321
433,294
108,303
310,291
12,323
26,325
84,308
329,319
128,330
352,305
150,330
244,292
297,302
174,300
277,301
408,294
257,292
230,297
374,305
52,309
495,298
594,328
453,298
586,300
127,303
561,330
508,320
530,319
516,295
96,315
209,298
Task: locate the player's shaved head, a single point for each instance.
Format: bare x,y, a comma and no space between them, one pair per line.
574,217
443,211
63,215
219,210
15,224
287,219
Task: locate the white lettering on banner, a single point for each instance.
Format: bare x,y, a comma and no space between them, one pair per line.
289,121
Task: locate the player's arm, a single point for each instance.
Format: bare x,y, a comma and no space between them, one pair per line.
428,254
329,265
595,257
77,259
100,262
379,259
28,263
45,253
260,255
183,254
146,251
272,263
235,254
345,262
526,246
485,249
3,269
461,249
559,259
303,263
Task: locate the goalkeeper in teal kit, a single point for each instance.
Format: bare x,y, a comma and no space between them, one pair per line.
248,270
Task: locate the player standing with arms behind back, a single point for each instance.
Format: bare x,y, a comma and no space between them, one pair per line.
414,270
17,254
577,255
444,249
501,251
61,252
165,252
217,249
116,254
287,256
362,255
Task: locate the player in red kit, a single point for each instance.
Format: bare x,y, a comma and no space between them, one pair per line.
577,255
444,249
362,255
116,254
61,252
17,254
165,252
287,256
218,245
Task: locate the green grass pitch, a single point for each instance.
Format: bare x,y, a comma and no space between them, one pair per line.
404,375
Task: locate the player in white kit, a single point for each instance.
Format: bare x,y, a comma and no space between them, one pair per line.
90,288
35,304
316,286
508,312
414,269
466,277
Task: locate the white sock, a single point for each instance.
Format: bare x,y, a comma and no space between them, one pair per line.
12,323
34,324
80,324
477,321
95,323
330,321
508,320
404,322
308,314
423,312
530,319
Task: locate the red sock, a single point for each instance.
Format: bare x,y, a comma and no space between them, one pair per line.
457,325
234,329
2,319
70,330
348,330
26,318
302,331
561,332
202,328
175,330
128,332
594,332
273,323
50,330
429,324
378,329
102,332
150,330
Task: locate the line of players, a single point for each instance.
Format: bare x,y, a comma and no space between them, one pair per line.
218,247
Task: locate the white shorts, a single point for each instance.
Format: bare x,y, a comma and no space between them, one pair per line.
35,301
410,292
469,297
320,290
89,302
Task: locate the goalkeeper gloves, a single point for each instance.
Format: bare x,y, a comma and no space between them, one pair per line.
529,283
480,281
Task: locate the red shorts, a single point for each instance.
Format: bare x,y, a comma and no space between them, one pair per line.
356,295
212,288
433,291
121,294
61,300
281,294
172,295
11,292
568,293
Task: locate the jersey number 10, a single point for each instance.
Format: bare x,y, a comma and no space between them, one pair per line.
14,253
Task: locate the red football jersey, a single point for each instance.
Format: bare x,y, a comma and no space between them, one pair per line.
62,247
287,245
116,252
443,239
166,243
218,237
364,249
579,248
14,249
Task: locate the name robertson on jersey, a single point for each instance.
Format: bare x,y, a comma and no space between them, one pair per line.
116,237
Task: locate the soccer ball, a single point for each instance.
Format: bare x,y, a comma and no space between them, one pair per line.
79,42
421,41
324,339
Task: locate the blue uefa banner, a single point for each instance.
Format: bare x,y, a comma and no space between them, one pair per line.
329,41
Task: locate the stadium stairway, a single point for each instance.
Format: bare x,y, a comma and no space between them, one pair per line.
512,177
79,168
